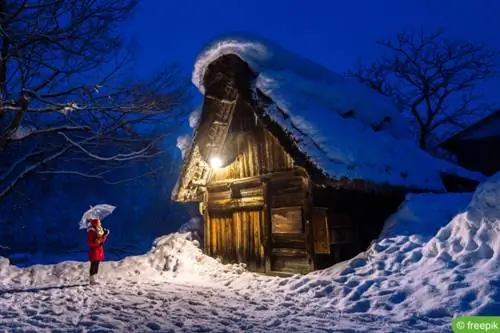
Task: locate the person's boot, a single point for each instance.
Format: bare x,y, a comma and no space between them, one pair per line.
92,280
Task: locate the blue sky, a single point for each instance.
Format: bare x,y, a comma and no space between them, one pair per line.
335,33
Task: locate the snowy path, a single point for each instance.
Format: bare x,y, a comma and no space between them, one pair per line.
172,305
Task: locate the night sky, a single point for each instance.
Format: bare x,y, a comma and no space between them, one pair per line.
334,33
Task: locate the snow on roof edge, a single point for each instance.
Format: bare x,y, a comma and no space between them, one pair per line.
262,55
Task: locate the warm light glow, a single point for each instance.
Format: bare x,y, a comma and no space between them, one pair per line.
215,162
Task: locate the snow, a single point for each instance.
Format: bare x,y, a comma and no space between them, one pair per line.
345,128
194,117
22,132
438,257
184,143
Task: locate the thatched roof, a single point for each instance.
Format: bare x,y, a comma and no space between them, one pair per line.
339,128
487,127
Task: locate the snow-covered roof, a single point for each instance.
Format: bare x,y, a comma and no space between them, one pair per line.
487,127
346,129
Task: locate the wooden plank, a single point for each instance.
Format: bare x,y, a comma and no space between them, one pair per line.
284,175
235,204
206,232
320,230
251,238
229,237
343,235
245,235
296,199
291,264
267,229
262,240
236,236
294,241
213,243
287,252
307,226
287,220
284,186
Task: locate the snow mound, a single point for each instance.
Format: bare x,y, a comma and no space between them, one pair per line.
485,204
331,118
174,255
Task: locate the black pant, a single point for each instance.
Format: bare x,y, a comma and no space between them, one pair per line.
94,267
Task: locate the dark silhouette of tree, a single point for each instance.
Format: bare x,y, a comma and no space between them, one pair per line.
68,104
431,78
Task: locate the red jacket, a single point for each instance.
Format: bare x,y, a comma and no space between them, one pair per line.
95,243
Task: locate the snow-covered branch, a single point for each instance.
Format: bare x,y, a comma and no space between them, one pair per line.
65,85
116,157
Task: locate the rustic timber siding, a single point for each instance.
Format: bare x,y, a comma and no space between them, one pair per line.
288,199
237,236
254,149
355,219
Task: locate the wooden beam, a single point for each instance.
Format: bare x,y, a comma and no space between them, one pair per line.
206,227
257,180
232,204
267,229
320,230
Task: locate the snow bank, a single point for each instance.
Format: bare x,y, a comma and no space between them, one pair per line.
332,119
175,255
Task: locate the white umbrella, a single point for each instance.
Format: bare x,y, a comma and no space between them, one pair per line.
98,211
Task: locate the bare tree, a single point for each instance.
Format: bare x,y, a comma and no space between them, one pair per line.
66,103
431,78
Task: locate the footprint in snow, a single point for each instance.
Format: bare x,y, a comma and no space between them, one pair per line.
398,297
359,307
153,326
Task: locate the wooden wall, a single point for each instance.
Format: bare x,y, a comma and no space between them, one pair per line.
265,197
236,236
251,148
260,221
288,211
354,220
479,155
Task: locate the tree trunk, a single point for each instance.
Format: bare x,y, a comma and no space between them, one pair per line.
422,139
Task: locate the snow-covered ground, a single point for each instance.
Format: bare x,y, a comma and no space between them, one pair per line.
438,257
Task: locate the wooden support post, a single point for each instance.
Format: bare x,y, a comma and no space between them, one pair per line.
206,225
267,228
309,237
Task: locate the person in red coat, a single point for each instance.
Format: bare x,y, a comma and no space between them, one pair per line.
96,236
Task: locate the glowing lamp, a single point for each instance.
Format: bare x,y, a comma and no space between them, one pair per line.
215,162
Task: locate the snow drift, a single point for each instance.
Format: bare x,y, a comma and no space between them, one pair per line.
175,255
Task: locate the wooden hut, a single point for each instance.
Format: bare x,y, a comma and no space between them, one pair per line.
265,185
477,146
